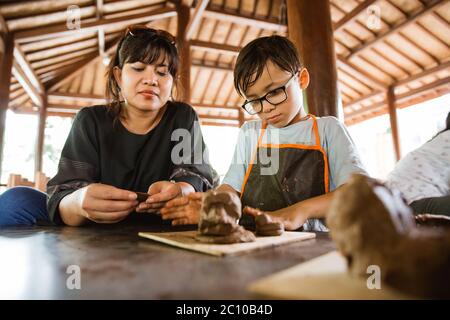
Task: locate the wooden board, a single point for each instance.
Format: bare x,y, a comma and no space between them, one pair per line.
186,240
324,277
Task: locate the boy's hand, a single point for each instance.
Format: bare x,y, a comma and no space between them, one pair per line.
184,210
290,218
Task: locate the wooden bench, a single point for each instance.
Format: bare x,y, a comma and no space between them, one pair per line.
39,183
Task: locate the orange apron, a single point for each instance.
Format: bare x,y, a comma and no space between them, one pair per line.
302,174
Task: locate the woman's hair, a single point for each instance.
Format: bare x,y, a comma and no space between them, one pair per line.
253,57
143,44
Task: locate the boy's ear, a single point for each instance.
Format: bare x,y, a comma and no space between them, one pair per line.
118,75
303,78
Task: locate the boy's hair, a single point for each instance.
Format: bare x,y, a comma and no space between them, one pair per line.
143,44
253,57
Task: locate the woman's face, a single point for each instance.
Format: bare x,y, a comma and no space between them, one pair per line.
146,87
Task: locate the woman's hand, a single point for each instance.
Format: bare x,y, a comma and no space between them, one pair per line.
184,210
291,219
102,203
161,192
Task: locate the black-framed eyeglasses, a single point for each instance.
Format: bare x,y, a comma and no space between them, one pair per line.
137,29
274,97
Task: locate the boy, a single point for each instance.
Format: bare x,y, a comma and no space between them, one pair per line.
308,157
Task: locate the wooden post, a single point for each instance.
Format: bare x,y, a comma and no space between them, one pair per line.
393,119
6,61
41,135
184,49
310,29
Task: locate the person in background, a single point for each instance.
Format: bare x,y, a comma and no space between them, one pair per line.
423,175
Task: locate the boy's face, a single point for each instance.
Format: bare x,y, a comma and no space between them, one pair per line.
287,112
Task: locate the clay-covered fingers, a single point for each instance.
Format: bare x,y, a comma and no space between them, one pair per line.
196,196
252,211
177,202
149,207
177,213
163,196
190,211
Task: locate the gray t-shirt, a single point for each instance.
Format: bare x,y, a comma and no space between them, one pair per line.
424,172
343,158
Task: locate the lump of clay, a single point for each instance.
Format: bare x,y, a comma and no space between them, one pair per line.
371,225
266,227
219,217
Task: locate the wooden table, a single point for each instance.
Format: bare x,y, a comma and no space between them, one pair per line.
117,264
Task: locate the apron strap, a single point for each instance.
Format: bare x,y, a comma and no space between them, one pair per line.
252,160
316,130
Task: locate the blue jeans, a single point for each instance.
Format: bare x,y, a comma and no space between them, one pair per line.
23,206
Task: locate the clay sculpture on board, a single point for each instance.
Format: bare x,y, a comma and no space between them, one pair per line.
219,218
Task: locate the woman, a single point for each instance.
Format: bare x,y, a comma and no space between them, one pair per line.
124,147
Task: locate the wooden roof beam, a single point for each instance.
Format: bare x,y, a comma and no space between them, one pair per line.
247,20
29,72
101,31
211,67
3,25
360,74
369,109
92,58
69,97
66,72
6,60
424,73
421,90
215,47
60,58
402,97
433,5
363,98
92,26
195,19
109,49
30,89
415,77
